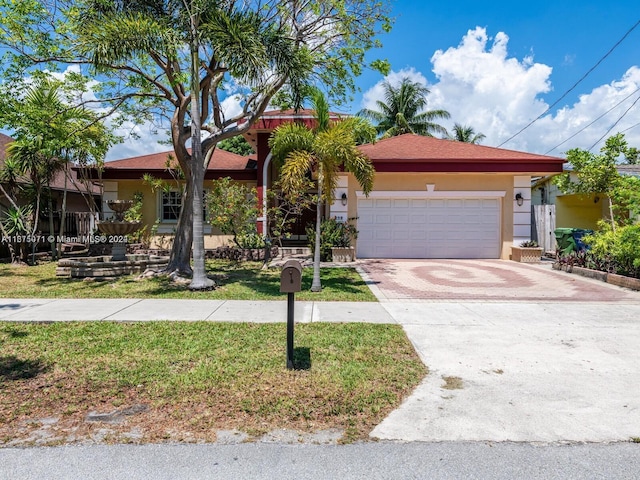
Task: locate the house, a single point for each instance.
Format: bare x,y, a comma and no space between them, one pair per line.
122,179
79,221
572,210
431,198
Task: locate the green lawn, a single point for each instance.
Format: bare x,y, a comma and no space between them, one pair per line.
236,281
188,380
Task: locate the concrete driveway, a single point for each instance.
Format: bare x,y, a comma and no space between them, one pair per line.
515,352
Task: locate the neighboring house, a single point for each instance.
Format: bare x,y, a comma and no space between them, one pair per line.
79,221
431,198
574,210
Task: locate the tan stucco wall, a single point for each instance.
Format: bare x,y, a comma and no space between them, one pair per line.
447,182
580,211
150,211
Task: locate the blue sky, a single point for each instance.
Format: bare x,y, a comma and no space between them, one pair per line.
501,64
569,36
524,57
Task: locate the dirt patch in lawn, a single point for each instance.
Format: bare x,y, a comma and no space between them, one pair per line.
453,383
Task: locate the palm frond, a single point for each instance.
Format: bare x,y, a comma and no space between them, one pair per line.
288,138
293,174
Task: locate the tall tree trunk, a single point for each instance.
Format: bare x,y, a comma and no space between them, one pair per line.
180,258
199,281
316,286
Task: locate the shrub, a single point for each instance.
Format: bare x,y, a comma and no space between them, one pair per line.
619,250
233,208
250,240
332,234
529,243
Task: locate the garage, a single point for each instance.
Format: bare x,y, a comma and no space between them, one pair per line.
400,225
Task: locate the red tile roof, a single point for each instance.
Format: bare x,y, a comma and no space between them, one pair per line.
221,160
415,153
272,119
303,112
411,147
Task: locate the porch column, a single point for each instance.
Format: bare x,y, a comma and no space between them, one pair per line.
521,213
262,183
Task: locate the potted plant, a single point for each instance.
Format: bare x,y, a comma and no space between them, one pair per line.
527,252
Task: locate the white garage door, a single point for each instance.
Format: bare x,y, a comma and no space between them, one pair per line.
428,228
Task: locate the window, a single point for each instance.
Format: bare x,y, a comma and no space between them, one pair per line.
170,209
171,203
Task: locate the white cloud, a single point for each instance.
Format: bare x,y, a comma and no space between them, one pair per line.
232,105
481,86
138,140
394,78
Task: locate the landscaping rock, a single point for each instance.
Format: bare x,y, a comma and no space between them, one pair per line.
117,416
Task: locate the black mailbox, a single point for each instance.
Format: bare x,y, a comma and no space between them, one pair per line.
291,277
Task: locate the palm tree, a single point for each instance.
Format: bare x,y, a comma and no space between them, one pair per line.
324,150
49,135
466,134
403,111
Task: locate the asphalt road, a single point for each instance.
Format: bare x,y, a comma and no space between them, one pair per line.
383,460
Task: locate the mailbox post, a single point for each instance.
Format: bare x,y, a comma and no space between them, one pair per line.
290,282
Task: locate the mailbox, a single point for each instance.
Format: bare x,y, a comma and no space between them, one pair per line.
291,277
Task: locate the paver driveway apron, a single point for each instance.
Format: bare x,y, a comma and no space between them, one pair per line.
515,352
484,280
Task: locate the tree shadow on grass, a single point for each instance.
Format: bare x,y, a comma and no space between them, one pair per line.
13,368
302,358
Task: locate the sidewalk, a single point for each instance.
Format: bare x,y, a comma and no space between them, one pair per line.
136,310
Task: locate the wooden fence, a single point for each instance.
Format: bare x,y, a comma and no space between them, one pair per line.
543,225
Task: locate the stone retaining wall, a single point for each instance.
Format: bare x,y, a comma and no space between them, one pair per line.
102,266
612,278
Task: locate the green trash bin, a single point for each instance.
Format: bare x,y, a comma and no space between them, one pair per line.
565,240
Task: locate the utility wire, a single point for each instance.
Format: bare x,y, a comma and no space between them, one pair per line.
616,122
574,86
587,126
632,126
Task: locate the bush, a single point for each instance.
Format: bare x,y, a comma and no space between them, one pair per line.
529,244
250,240
332,234
619,250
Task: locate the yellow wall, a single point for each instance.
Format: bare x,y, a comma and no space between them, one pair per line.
580,211
447,182
150,212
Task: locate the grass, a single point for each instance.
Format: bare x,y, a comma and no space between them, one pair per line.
236,281
195,378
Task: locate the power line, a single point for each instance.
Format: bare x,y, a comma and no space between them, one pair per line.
616,122
587,126
573,87
632,126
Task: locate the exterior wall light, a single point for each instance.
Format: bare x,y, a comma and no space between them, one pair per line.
519,199
344,199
